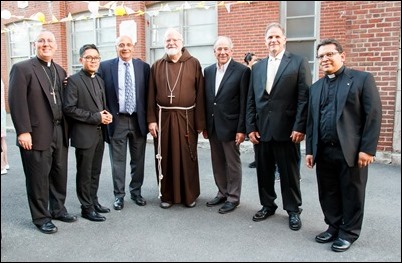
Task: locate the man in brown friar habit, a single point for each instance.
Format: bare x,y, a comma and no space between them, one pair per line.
176,115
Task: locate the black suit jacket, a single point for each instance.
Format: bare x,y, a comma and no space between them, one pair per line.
29,101
358,115
226,112
84,109
108,71
284,110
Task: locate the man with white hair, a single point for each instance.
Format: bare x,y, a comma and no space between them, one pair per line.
176,115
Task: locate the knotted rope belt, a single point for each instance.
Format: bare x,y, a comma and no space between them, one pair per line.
159,154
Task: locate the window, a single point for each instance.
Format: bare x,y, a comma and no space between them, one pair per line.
300,20
22,40
197,25
100,31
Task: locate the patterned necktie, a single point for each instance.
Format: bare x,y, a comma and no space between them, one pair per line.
130,94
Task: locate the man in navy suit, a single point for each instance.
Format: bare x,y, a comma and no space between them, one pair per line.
128,127
226,86
276,123
343,129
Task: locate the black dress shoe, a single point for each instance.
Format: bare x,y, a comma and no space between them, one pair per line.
340,245
165,205
252,165
118,203
294,221
228,207
47,228
68,218
264,213
93,216
325,237
139,200
216,201
101,209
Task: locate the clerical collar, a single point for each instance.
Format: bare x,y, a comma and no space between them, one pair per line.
91,75
337,73
44,63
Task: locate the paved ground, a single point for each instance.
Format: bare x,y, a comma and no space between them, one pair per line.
196,234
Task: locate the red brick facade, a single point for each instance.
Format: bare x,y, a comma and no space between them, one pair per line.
369,31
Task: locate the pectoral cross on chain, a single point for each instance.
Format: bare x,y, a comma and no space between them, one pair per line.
54,96
171,96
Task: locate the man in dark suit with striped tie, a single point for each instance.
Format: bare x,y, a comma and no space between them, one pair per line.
126,83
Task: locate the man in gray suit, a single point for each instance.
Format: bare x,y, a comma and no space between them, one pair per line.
276,123
129,126
343,128
226,86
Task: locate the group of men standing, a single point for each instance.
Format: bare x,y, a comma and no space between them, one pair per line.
274,104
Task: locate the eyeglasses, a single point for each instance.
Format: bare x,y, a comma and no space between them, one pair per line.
122,45
328,55
90,58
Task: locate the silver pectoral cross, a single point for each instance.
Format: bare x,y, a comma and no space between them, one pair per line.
171,96
54,96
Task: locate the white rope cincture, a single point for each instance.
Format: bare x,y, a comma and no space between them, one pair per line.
159,154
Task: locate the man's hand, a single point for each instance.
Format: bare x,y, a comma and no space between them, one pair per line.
153,129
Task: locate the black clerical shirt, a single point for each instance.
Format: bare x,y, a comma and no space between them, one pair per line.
328,133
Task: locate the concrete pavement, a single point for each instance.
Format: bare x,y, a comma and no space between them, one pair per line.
196,234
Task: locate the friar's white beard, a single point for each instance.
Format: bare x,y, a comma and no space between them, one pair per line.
172,51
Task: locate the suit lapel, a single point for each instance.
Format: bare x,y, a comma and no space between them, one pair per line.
316,100
227,74
343,89
261,69
42,78
88,85
115,76
212,81
284,63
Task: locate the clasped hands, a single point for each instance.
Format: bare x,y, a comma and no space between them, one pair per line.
106,117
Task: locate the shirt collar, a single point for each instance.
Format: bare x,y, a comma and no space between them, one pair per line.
278,57
130,62
224,66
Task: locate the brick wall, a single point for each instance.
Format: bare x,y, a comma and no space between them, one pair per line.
368,30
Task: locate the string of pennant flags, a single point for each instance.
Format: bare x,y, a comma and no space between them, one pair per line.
117,9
